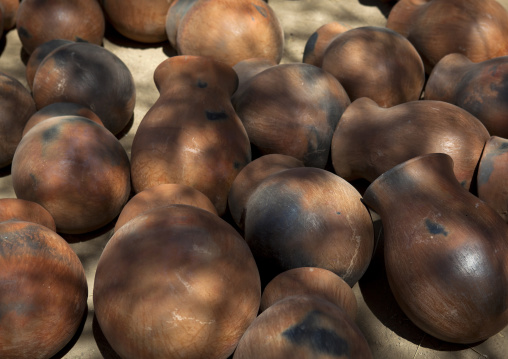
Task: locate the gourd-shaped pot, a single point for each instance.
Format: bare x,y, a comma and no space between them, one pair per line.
89,75
8,10
43,291
38,21
492,179
480,88
226,30
16,108
176,282
303,326
21,210
369,140
191,135
292,109
436,28
397,77
139,20
445,250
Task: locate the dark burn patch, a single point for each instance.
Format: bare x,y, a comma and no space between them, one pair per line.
435,228
261,10
202,84
320,340
50,134
24,33
216,116
310,45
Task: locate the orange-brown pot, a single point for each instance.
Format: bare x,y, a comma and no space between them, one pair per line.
21,210
8,10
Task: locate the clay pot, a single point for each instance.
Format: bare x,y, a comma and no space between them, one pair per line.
38,55
492,179
317,43
479,88
89,75
226,30
309,217
312,281
16,107
61,109
43,291
370,140
247,69
21,210
143,21
8,10
445,250
303,327
191,135
249,179
397,77
38,21
161,196
436,28
292,109
74,168
181,274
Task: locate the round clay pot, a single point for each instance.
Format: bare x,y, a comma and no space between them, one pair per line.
181,274
89,75
292,109
492,178
309,217
247,69
16,107
8,9
38,55
479,88
74,168
398,75
249,179
436,28
226,30
191,135
303,327
38,21
312,281
363,143
61,109
43,291
445,250
160,196
317,43
143,21
21,210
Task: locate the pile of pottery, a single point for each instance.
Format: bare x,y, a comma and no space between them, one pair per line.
238,226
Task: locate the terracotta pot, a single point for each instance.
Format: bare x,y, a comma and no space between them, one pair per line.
303,327
317,43
21,210
16,107
445,250
292,109
38,55
74,168
8,9
89,75
43,291
183,275
38,21
363,143
492,179
191,135
377,63
312,281
61,109
480,88
226,30
143,21
247,69
309,217
476,29
161,196
249,179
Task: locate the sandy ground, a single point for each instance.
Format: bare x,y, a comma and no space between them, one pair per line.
388,331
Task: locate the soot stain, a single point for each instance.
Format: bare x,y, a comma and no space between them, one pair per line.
320,340
435,228
261,10
216,116
311,44
202,84
24,33
50,134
